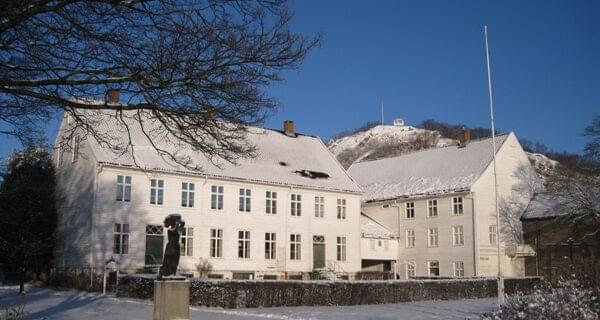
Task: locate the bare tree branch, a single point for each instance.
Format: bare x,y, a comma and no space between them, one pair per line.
200,68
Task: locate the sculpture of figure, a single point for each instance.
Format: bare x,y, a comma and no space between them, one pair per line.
174,226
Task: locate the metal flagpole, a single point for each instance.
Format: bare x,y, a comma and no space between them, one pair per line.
487,57
382,123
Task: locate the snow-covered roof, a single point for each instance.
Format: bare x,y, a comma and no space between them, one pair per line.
544,205
372,229
427,172
281,159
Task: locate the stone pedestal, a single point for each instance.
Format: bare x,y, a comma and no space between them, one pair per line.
171,299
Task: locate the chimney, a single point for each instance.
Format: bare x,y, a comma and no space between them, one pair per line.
464,136
113,96
288,128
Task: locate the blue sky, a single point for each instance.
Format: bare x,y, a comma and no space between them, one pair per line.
425,59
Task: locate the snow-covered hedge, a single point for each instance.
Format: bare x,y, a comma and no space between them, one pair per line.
568,300
268,293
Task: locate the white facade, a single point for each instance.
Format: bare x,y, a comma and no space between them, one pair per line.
448,241
96,220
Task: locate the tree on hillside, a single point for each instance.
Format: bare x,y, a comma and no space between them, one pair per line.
28,213
200,68
592,148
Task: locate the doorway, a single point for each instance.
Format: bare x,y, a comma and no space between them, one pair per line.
318,252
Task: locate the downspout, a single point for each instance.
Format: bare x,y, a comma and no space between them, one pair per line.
98,170
475,242
287,204
397,268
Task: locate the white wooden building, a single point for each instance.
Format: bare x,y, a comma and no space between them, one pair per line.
441,204
289,211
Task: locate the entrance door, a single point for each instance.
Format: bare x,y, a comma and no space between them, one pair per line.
154,245
318,252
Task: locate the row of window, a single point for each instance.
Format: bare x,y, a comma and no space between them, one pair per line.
432,208
157,190
121,243
458,236
75,141
433,268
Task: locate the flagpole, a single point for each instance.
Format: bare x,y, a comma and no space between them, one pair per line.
489,75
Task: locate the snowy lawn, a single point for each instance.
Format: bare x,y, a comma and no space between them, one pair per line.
43,302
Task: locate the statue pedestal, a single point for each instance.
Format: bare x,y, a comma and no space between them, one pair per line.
171,299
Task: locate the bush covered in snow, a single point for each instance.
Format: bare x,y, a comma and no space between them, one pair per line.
567,300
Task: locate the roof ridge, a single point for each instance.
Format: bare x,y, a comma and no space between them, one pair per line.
431,149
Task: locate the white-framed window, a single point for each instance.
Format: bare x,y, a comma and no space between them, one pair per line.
319,207
270,245
216,197
157,191
245,199
187,194
75,148
244,244
411,269
124,188
216,243
341,248
296,205
433,267
432,237
458,236
410,238
432,208
457,205
61,153
271,202
493,234
121,238
186,248
459,268
409,208
341,209
295,246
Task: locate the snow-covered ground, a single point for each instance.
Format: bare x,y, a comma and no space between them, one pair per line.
42,302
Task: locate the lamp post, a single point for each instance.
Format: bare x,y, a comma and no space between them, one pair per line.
571,243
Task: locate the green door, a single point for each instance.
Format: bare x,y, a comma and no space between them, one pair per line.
318,255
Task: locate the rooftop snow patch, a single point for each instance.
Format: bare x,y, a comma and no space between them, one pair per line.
278,156
426,172
544,206
372,229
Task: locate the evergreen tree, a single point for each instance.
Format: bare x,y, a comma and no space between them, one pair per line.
28,213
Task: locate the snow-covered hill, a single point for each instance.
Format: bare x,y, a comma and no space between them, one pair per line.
543,165
384,141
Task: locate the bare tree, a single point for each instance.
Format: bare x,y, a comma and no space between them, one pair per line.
579,206
592,148
200,68
512,207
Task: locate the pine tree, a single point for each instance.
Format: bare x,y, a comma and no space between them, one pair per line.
28,213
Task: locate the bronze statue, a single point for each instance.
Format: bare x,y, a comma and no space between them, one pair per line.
174,226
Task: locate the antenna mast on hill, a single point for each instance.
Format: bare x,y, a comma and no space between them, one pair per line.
382,122
489,75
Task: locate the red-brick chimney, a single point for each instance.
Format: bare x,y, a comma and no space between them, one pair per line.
288,128
113,96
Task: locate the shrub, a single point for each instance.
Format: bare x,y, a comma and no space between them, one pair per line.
567,300
14,312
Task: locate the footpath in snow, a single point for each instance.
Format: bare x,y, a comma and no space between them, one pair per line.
43,302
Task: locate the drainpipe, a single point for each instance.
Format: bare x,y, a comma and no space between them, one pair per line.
475,242
98,170
397,268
